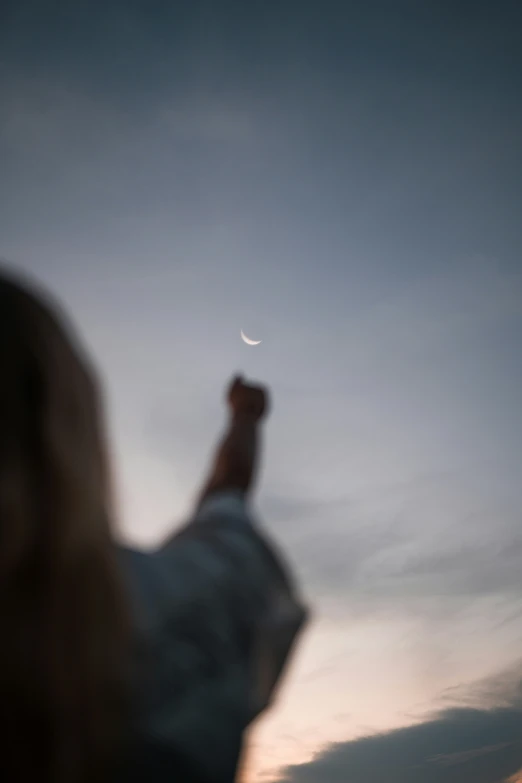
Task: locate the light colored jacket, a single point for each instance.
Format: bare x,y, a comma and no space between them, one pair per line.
216,617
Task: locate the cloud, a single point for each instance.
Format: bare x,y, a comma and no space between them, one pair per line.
441,538
502,690
447,759
459,745
475,737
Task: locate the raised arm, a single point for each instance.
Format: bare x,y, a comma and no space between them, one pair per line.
236,460
221,611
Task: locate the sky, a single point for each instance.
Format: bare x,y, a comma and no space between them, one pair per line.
342,181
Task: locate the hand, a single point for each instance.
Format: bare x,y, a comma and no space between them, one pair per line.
247,400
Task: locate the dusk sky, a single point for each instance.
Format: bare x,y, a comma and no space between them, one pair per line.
343,181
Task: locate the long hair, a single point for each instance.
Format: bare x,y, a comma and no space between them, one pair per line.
63,617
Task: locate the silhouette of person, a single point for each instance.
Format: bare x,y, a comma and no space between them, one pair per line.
118,664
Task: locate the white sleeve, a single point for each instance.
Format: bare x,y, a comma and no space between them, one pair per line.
228,607
229,502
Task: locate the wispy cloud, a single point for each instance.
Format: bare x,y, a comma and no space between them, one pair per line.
476,745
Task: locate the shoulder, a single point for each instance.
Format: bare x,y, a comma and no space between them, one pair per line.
158,580
226,502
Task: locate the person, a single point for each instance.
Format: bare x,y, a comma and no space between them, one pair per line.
117,664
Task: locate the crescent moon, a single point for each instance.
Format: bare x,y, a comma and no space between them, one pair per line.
247,340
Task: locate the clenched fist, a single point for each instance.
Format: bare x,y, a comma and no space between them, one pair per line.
244,399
